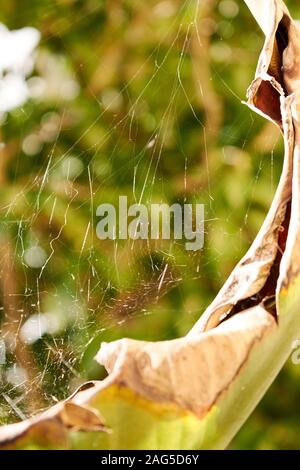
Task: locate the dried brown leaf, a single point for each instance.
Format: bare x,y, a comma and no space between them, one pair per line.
196,372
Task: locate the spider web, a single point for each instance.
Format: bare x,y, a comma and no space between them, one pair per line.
157,118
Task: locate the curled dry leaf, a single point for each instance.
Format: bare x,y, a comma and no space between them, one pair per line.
196,391
50,429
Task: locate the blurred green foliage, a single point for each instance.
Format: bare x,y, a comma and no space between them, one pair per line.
140,99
